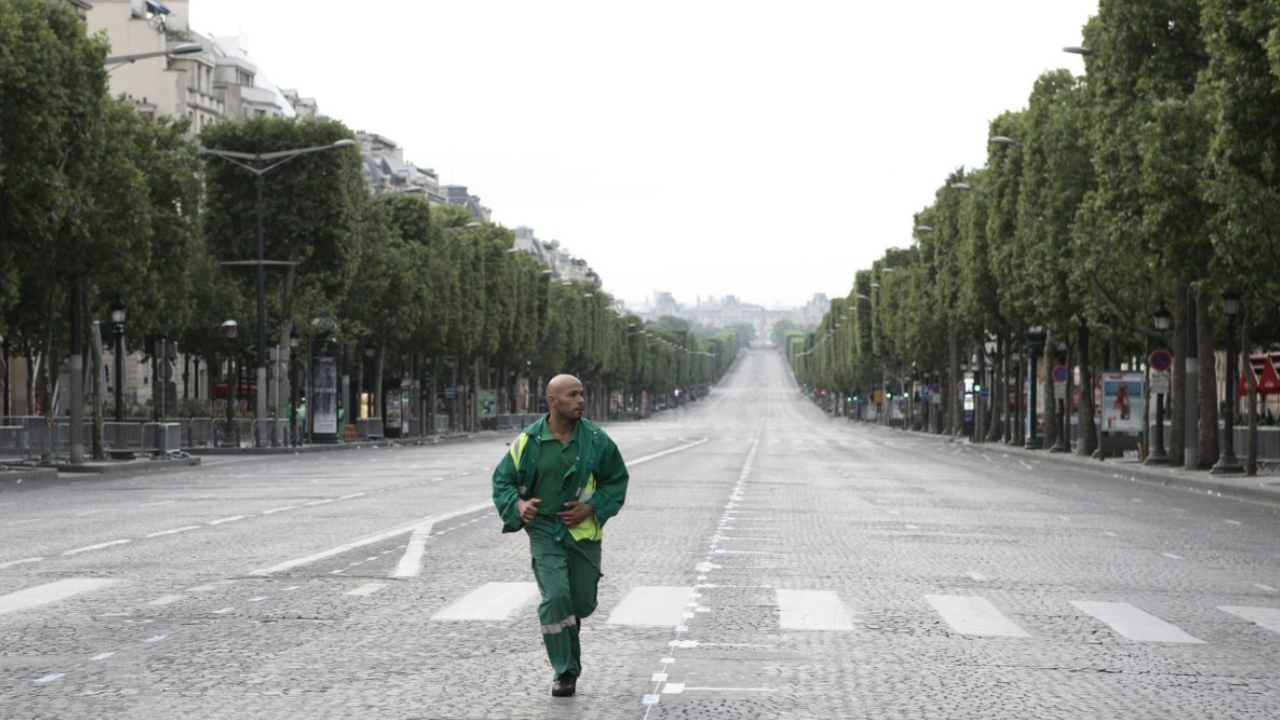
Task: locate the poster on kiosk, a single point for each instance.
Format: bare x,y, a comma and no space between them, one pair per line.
1122,403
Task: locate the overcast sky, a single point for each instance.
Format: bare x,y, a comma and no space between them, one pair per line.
704,147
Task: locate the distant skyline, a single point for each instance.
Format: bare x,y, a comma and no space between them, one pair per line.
754,149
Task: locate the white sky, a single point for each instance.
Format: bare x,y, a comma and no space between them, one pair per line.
703,147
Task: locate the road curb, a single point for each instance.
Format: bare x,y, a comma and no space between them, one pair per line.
128,466
368,444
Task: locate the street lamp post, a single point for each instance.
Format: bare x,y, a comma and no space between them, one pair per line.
1035,348
117,319
1227,463
293,388
1160,320
254,163
229,331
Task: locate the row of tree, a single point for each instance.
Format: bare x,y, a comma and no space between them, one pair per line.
1153,179
99,203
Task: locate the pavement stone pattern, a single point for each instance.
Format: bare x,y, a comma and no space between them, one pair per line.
778,497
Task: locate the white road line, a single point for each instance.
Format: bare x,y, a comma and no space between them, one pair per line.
24,561
652,606
174,531
87,513
1134,623
157,504
224,611
1233,522
49,678
812,610
977,576
1267,588
1025,465
91,548
51,592
690,688
352,496
233,518
101,656
21,522
973,615
260,598
1266,617
1171,556
155,639
1108,533
166,600
491,601
657,455
318,502
366,590
273,511
290,564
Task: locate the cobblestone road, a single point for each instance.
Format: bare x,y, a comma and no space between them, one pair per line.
770,563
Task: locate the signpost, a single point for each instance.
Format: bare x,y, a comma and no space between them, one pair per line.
1159,362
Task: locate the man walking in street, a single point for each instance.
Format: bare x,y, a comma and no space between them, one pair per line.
561,480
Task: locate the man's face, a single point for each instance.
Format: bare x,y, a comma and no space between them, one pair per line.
568,400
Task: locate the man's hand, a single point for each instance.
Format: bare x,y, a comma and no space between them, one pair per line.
528,509
575,512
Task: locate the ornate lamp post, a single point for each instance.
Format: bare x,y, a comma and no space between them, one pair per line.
1161,319
293,387
1035,348
1227,463
229,331
117,319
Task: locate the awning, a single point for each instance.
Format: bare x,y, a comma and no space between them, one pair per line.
157,8
1263,367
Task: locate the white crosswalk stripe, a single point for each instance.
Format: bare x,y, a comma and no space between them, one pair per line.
653,606
491,601
823,611
1266,617
973,615
1135,623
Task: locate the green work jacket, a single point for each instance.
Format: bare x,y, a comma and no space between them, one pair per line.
600,479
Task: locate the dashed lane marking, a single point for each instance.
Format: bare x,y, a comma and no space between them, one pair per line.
91,548
291,564
52,677
174,531
365,590
24,561
51,592
233,518
166,600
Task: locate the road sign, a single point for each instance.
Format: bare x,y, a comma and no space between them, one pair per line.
1060,374
1160,383
1161,360
984,392
448,393
924,393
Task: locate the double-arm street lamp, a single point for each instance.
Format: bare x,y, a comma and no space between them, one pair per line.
260,164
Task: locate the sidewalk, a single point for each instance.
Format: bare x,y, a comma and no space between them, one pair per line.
285,450
1264,488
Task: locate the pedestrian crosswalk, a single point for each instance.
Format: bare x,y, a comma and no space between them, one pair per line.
809,610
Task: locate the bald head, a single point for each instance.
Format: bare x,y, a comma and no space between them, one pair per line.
565,398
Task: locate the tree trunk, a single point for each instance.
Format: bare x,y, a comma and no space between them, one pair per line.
47,392
1048,388
1178,380
95,346
376,407
954,426
1208,384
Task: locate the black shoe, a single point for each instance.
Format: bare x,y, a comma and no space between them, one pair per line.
565,685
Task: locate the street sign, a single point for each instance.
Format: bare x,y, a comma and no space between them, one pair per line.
1060,375
1160,383
936,389
1161,360
984,392
448,393
925,393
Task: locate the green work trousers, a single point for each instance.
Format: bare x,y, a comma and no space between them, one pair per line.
568,573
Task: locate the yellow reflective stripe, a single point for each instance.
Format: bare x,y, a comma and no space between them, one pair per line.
588,529
517,448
